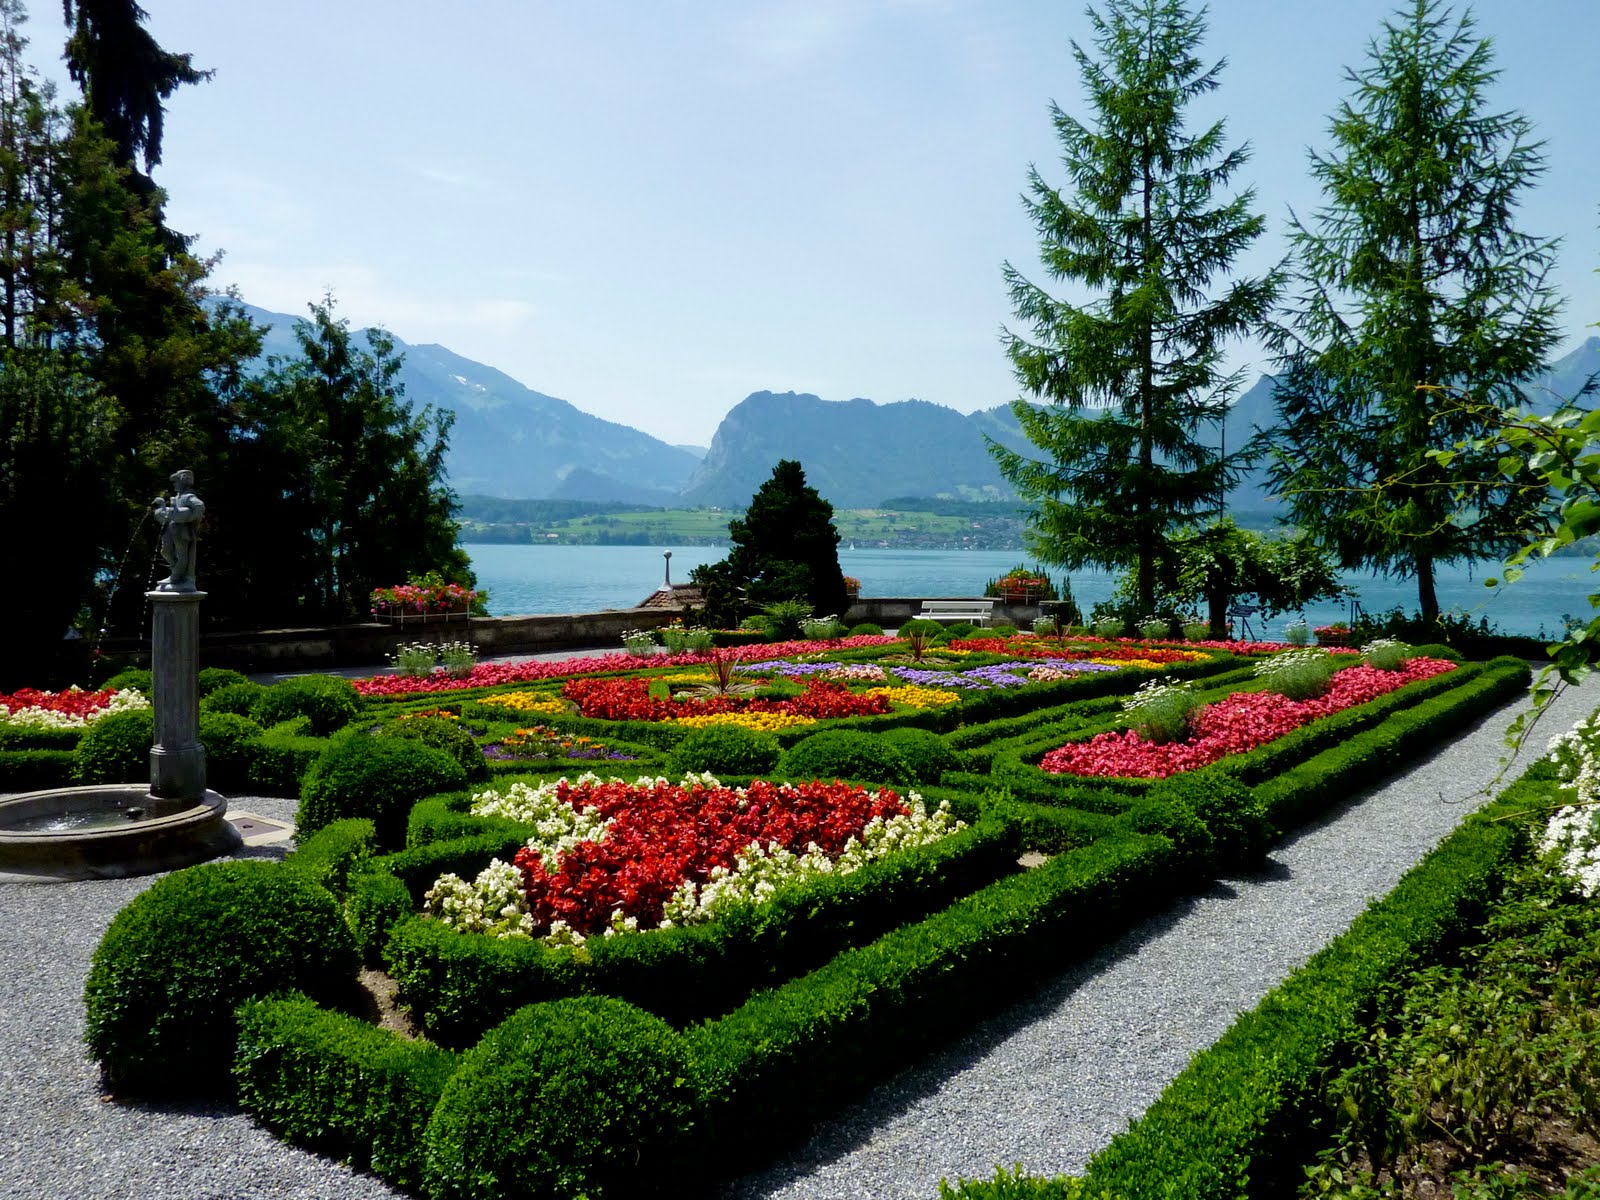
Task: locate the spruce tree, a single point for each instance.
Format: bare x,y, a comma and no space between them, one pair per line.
1133,379
1420,311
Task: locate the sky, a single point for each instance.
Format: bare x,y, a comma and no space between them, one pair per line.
652,210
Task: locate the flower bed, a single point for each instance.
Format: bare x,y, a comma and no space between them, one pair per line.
69,709
1239,723
542,744
609,856
629,699
493,674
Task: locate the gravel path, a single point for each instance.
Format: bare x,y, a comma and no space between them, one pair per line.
1045,1084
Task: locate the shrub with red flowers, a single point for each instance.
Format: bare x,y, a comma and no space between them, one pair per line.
1239,723
1034,647
629,699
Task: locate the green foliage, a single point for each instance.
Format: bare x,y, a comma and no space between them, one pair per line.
177,961
116,748
1386,654
376,903
1014,1185
785,618
785,548
575,1098
1234,816
211,678
330,702
865,629
281,757
134,679
845,754
238,698
376,778
1131,378
927,755
725,749
922,625
1299,674
1414,286
227,738
339,1086
1163,710
333,853
442,734
1221,563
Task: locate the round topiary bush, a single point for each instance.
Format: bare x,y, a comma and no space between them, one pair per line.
237,698
224,735
920,625
330,702
573,1098
1232,812
116,748
379,778
442,734
212,678
184,954
961,629
927,755
845,754
133,679
726,749
865,629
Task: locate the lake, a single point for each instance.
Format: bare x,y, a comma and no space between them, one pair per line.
576,579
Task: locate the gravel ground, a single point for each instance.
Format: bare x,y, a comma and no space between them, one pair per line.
1044,1084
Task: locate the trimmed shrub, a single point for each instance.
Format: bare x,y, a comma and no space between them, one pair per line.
227,737
134,679
116,748
330,855
920,625
960,629
281,757
212,678
239,698
574,1098
442,734
330,702
1001,630
845,754
726,750
376,902
927,755
177,961
865,629
374,777
1233,814
37,770
338,1085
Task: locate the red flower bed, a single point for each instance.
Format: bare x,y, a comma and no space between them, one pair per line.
72,703
489,674
1036,648
1239,723
667,833
629,699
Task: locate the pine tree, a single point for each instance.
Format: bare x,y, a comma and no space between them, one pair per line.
1418,301
784,548
1134,379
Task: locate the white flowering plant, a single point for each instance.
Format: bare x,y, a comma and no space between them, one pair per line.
1162,710
1572,834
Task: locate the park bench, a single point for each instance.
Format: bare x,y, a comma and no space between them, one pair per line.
976,612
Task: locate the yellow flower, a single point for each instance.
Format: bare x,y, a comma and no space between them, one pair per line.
764,721
917,697
531,702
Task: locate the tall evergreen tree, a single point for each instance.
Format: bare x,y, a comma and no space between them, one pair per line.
784,548
1419,307
1134,378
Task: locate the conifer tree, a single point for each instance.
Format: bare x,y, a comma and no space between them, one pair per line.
1133,378
1419,309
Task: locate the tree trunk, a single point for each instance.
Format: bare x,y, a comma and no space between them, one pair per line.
1217,601
1427,593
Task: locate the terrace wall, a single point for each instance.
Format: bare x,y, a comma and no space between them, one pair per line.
311,649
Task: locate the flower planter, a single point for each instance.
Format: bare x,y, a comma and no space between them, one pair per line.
460,613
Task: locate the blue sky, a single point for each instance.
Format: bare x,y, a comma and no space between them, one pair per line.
651,210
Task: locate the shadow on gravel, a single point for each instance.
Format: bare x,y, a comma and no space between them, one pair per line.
859,1122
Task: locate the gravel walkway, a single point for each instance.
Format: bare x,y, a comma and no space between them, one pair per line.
1044,1084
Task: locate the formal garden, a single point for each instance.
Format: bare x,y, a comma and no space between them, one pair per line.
652,915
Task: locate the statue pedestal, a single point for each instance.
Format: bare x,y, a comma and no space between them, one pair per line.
177,760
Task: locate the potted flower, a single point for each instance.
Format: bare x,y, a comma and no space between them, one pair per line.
424,597
1337,634
1021,585
852,588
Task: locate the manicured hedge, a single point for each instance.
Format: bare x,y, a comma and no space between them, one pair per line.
459,983
376,778
37,770
335,1084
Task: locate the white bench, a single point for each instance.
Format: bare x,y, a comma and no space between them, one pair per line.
974,612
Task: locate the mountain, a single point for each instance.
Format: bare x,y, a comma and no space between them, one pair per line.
510,441
855,452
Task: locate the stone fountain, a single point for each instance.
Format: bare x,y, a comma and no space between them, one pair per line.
112,830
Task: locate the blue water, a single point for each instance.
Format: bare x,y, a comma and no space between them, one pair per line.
576,579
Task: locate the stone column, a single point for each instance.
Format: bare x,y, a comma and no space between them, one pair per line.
177,760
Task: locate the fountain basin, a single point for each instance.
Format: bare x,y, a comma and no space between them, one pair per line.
107,831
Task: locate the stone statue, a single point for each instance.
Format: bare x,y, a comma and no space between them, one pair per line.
179,516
